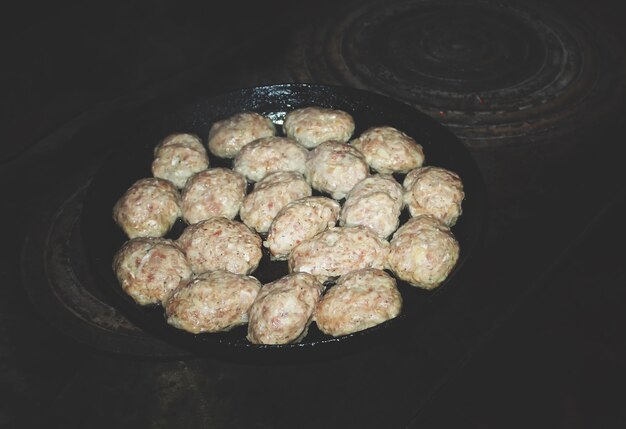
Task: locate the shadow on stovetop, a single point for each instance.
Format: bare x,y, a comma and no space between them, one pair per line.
560,361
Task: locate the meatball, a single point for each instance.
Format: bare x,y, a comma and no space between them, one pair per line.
212,193
334,168
422,252
311,126
435,191
227,137
221,244
212,302
359,300
149,208
268,155
190,141
178,157
149,269
388,150
298,221
337,251
375,202
269,196
283,309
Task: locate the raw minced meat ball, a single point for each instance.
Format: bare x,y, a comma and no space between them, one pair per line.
337,251
269,155
435,191
228,136
298,221
423,252
313,125
191,141
283,309
269,196
375,202
149,268
388,150
213,301
359,300
212,193
334,168
219,243
149,208
178,157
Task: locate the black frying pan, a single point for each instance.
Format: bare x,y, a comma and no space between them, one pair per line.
131,160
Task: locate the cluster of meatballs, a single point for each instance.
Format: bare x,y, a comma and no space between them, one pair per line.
340,243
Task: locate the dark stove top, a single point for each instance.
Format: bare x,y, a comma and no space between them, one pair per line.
534,89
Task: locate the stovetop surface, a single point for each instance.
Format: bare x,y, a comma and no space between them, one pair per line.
530,336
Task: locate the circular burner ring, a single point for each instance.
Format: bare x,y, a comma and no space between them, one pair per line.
493,71
58,283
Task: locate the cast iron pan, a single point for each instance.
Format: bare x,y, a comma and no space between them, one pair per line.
131,161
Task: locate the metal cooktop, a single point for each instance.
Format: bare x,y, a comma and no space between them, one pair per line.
535,91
